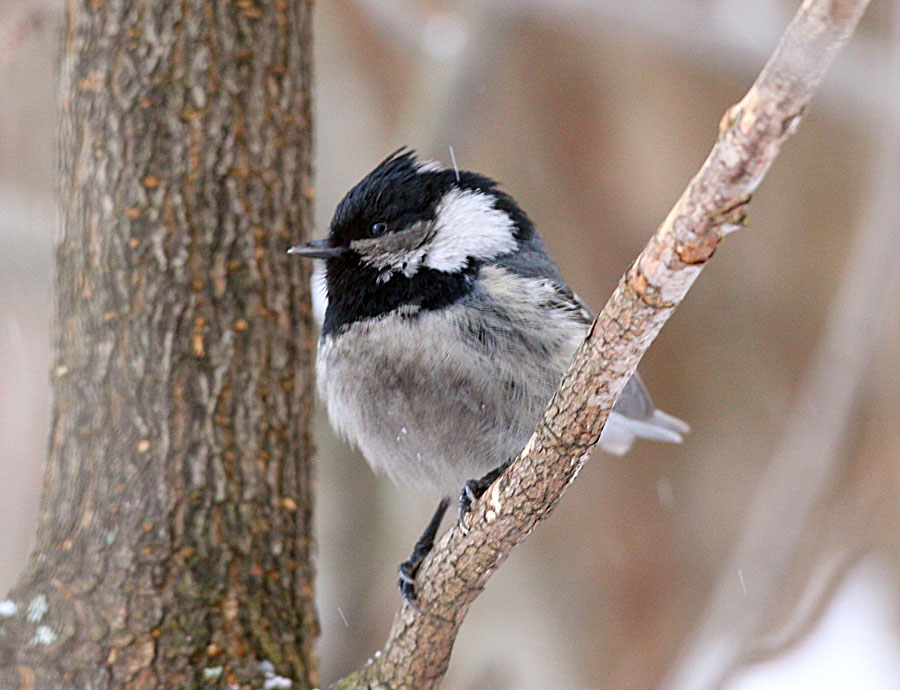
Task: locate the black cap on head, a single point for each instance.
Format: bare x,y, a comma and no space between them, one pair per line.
400,191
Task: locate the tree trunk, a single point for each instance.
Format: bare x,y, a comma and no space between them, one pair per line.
174,538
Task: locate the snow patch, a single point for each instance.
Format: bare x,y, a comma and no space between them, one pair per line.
854,645
212,672
273,681
43,635
37,609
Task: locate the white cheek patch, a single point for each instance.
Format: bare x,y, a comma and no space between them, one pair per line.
467,225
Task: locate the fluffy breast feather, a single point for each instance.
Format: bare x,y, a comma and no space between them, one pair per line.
437,397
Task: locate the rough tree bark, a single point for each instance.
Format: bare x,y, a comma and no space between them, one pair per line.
751,135
174,537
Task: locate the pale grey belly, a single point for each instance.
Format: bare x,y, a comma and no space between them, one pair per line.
430,408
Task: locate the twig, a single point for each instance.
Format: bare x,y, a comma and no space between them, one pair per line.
809,453
750,137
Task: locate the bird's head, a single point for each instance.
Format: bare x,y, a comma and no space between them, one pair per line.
413,234
409,215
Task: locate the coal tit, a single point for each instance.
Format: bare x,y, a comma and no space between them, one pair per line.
447,329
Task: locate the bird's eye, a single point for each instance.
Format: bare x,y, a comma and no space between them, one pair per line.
378,228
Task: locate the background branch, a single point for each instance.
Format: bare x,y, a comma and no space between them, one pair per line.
734,34
751,135
813,446
720,35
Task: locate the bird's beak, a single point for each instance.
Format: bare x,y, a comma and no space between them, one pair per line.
318,249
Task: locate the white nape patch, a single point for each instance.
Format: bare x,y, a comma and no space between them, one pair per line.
467,225
8,608
428,166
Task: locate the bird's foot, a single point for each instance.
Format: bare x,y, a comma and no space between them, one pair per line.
410,567
475,488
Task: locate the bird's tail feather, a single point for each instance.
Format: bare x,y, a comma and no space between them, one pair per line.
621,431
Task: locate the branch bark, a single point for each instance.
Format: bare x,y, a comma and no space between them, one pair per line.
751,134
174,537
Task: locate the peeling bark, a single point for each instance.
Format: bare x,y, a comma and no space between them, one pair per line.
750,137
174,537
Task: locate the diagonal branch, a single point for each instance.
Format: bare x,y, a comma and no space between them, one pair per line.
750,136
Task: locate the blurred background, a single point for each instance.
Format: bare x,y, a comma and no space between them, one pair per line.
594,115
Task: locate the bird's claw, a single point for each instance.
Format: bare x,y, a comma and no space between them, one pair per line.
407,582
474,489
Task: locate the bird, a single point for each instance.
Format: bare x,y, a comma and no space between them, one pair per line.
446,329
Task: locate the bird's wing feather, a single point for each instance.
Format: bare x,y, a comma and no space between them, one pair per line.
635,402
564,299
531,261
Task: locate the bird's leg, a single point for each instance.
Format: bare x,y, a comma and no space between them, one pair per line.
409,567
474,488
471,492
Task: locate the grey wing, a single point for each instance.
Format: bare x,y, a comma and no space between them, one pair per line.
634,414
531,261
567,301
635,401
